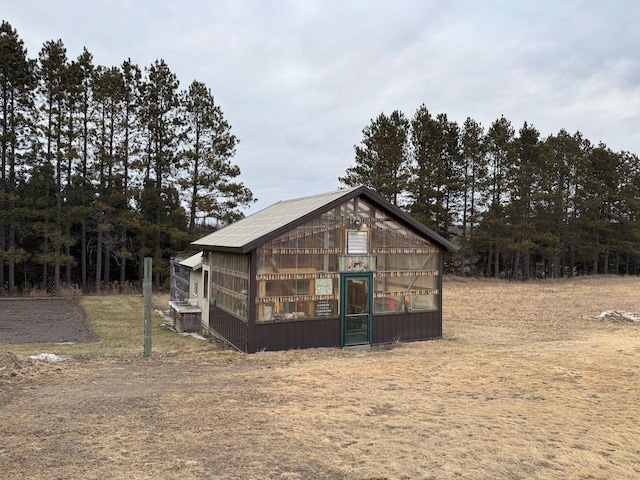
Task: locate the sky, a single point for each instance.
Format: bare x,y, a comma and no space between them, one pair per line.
298,80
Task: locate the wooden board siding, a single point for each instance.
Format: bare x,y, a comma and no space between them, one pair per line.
229,328
312,333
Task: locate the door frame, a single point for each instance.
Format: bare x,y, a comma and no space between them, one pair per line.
343,298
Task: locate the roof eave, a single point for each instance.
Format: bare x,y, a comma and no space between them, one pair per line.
219,248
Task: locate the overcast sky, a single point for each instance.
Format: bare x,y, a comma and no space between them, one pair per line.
298,80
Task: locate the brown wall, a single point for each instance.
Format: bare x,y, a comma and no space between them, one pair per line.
314,333
406,327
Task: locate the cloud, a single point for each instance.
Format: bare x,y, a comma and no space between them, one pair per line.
298,81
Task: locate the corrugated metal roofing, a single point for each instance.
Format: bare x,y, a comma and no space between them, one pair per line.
255,226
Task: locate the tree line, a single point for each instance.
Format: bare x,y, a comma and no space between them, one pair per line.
519,205
102,166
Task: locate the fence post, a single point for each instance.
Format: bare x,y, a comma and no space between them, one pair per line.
147,292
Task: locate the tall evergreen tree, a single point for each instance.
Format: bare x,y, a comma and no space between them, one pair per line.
499,143
628,250
452,182
130,147
109,94
524,181
16,85
435,185
425,186
161,120
52,73
382,161
474,172
84,188
209,174
561,154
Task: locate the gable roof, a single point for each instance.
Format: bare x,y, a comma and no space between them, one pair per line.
252,231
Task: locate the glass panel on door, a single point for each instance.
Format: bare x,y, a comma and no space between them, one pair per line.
357,310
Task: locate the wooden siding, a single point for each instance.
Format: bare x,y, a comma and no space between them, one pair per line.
229,328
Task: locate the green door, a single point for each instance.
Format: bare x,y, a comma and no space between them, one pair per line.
356,300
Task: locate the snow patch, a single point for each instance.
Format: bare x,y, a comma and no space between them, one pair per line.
619,316
194,335
168,321
49,357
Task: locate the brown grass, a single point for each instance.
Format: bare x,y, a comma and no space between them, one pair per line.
524,384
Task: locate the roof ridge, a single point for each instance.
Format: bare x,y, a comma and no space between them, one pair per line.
333,192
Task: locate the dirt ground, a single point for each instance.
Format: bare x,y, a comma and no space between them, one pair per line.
43,320
527,383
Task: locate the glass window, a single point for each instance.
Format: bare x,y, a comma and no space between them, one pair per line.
230,282
298,274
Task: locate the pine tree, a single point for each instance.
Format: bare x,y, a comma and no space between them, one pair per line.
108,94
560,155
435,185
52,68
499,141
629,207
159,116
424,188
596,197
16,97
474,172
84,189
524,180
130,128
382,161
209,174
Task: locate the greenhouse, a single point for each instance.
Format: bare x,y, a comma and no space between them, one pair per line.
332,270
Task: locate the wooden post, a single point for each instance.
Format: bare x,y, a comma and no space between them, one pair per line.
148,300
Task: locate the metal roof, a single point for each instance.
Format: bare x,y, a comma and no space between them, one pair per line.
249,229
264,225
194,261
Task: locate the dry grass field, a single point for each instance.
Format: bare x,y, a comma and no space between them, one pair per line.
527,383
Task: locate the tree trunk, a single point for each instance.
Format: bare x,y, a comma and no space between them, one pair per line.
99,259
526,264
12,261
516,265
123,258
68,254
107,258
488,267
83,254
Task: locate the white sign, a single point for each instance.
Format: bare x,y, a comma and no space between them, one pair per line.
357,242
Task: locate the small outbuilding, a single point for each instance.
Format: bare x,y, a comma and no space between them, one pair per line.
183,295
332,270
